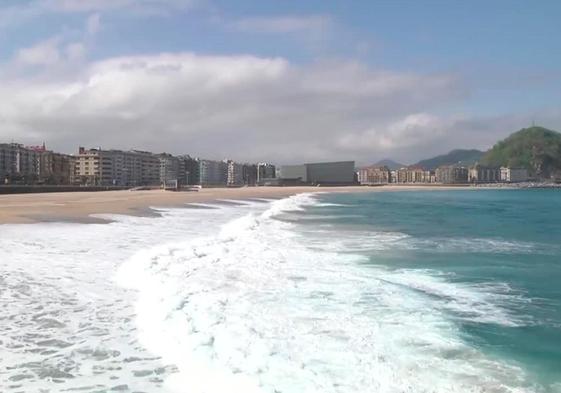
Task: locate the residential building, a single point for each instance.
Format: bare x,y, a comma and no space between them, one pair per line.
514,175
172,169
213,173
55,168
401,175
451,174
235,174
374,175
7,161
249,174
483,174
89,169
414,174
265,171
116,167
18,164
149,165
192,169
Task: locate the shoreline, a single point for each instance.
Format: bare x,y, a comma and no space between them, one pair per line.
83,206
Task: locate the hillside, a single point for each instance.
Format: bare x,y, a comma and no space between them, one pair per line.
391,164
458,156
536,149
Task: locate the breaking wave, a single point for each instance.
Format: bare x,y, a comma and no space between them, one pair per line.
261,307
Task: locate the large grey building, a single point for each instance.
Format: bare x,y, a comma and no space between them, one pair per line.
341,172
56,168
213,173
172,169
483,174
451,174
18,163
265,171
294,172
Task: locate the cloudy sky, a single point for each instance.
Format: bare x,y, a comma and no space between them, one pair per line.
282,81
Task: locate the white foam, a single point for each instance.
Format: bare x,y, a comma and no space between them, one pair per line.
254,309
231,301
357,240
65,324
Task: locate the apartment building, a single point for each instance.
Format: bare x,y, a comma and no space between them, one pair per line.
213,173
172,169
249,174
116,167
265,171
374,175
56,168
514,175
413,174
149,164
235,173
192,169
483,174
451,174
18,163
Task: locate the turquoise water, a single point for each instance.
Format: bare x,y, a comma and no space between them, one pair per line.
390,292
504,245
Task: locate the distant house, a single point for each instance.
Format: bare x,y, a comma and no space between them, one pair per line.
513,175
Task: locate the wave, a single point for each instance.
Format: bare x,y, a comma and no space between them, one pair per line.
254,308
359,240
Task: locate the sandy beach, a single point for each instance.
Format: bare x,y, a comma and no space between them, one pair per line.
79,206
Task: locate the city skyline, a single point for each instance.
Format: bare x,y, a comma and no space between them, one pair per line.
261,80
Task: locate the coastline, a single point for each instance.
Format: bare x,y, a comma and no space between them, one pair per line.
79,207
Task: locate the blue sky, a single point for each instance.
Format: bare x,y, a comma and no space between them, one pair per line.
461,73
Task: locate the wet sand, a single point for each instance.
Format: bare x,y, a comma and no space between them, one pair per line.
80,206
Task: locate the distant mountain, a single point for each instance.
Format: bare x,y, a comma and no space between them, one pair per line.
391,164
458,156
536,149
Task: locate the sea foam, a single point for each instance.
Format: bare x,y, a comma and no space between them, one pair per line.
252,307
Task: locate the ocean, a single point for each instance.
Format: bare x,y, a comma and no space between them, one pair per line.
411,291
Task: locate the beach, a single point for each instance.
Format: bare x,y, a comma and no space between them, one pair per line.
258,290
79,206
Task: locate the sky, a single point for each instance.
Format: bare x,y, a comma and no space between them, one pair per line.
281,81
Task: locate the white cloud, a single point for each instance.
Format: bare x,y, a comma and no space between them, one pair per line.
243,107
44,53
104,5
75,51
284,24
25,11
58,51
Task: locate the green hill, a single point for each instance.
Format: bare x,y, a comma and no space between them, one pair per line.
536,149
458,156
